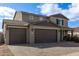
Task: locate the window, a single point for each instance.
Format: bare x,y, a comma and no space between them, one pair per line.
60,22
57,20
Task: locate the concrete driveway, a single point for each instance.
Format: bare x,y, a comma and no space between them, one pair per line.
46,49
4,50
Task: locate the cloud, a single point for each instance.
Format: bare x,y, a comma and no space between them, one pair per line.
48,9
6,13
72,12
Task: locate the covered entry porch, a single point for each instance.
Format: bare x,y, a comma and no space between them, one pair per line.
66,31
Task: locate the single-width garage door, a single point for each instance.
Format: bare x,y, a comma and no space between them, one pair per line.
45,36
17,35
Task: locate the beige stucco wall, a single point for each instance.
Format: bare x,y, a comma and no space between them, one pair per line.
31,35
18,16
6,34
53,19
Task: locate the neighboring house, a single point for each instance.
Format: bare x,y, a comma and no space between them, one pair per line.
75,31
32,28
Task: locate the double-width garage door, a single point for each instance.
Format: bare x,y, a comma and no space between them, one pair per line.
17,35
45,36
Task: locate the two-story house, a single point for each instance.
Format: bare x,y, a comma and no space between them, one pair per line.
31,28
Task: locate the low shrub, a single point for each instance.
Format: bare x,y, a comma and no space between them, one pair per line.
1,38
69,38
75,39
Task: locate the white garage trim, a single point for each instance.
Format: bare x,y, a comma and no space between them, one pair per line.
16,27
44,27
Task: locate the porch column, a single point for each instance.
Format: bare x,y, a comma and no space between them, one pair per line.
62,35
58,35
31,35
71,33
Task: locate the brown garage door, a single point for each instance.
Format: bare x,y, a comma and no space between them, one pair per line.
45,36
17,36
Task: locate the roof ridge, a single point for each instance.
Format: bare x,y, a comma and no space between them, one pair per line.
42,15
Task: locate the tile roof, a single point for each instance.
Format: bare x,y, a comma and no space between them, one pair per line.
45,23
76,29
14,22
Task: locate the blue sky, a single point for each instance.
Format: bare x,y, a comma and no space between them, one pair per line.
70,10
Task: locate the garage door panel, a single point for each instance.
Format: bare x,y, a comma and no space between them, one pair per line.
17,36
45,36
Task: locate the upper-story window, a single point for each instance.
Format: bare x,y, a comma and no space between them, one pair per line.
60,22
31,17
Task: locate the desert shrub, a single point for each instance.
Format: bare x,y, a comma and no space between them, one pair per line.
67,38
75,39
1,38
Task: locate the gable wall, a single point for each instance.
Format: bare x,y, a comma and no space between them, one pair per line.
53,19
26,17
18,16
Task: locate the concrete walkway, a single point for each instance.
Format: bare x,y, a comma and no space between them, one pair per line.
48,49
